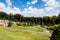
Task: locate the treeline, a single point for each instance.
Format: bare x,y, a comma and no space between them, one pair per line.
46,20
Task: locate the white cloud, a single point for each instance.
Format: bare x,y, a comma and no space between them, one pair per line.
13,10
32,11
16,10
49,10
45,0
52,8
52,3
28,3
2,5
34,1
8,2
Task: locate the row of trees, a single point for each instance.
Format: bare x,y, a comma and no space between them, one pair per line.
46,20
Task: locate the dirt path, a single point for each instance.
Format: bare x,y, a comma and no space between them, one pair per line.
46,32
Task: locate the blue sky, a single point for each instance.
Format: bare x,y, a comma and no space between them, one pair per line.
22,3
30,8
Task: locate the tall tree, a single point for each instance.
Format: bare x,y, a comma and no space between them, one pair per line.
3,15
59,18
17,17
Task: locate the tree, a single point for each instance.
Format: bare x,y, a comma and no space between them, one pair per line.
9,24
54,18
11,16
56,34
18,24
3,15
47,20
59,18
17,17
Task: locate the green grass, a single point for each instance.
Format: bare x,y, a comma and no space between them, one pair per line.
32,28
6,34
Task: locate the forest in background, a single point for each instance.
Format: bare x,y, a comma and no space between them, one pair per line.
46,20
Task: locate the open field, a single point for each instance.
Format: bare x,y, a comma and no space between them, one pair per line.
7,34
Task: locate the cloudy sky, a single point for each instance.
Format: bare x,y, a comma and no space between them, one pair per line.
30,8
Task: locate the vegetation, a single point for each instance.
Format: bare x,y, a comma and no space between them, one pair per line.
9,24
9,34
56,34
18,24
29,24
29,28
48,21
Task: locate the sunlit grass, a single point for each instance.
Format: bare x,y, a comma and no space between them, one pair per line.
32,28
6,34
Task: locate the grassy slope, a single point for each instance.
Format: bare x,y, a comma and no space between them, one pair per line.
31,28
6,34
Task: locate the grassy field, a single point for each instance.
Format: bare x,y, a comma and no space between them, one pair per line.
7,34
31,28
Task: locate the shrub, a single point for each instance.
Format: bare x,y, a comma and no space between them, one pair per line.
56,34
9,24
25,24
18,24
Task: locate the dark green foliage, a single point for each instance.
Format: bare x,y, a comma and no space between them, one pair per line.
19,24
43,21
56,34
17,17
11,17
10,24
59,18
3,15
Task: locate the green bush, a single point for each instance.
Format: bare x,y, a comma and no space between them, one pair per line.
56,34
9,24
18,24
25,24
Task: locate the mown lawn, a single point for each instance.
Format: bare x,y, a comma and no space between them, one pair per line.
32,28
6,34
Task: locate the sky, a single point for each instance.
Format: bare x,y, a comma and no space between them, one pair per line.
31,8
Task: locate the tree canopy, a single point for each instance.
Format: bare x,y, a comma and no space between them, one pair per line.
46,20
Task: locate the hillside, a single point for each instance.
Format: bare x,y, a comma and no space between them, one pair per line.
9,34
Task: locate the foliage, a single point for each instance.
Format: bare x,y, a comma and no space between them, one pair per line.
17,17
9,24
56,34
11,17
18,24
3,15
46,20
